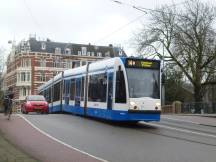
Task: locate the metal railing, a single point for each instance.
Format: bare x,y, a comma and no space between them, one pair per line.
199,107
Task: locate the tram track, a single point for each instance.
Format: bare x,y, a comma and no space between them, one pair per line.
192,127
158,129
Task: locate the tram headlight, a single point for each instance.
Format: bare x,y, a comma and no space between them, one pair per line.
158,105
132,103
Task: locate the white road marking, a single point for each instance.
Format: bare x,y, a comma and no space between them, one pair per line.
180,130
186,121
59,141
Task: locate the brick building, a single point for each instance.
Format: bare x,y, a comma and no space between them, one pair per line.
32,62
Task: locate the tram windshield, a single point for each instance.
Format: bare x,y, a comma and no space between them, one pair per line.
143,82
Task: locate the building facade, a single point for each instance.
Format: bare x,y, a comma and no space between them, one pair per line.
32,62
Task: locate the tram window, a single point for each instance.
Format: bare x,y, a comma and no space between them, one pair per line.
120,94
72,89
97,88
49,95
67,85
56,94
82,88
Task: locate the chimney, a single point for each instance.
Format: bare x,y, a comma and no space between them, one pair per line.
110,45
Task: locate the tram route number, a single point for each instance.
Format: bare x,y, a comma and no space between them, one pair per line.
142,64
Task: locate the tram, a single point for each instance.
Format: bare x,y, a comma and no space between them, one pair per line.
118,89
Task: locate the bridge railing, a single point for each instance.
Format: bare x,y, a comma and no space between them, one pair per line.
199,107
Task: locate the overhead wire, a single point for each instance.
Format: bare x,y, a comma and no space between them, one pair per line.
120,28
142,9
32,16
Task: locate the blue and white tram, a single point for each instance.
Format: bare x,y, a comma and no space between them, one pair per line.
119,89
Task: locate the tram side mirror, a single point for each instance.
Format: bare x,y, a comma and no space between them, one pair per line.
119,68
163,78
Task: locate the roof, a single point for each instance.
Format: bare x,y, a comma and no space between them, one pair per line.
50,47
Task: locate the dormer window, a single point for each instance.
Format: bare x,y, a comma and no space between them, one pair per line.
84,50
120,53
107,54
57,50
67,51
99,54
43,45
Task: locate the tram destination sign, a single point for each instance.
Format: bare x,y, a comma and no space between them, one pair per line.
145,64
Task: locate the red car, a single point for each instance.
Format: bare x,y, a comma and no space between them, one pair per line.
35,103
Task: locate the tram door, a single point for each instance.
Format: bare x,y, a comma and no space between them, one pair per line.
78,92
67,92
110,91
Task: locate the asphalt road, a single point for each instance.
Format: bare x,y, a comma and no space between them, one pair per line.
165,141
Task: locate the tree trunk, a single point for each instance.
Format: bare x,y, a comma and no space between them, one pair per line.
198,98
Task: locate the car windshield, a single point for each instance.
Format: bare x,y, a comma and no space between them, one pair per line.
143,83
36,98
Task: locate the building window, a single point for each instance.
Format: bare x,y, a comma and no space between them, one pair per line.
99,54
120,52
68,64
42,76
67,51
23,77
89,53
75,64
43,45
107,54
79,53
55,73
84,50
57,50
25,62
83,63
42,62
24,91
57,62
92,53
28,76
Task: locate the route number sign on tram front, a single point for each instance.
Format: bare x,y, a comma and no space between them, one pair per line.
145,64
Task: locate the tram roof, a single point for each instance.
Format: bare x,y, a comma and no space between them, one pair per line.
75,71
103,64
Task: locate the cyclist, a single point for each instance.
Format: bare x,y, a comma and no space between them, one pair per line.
6,104
8,101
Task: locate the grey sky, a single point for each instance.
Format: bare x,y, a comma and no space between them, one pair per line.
76,21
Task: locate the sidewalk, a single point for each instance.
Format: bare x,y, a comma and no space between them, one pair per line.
39,145
10,153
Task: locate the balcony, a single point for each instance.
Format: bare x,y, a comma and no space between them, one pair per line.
23,83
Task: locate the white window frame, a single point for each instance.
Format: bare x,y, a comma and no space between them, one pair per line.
42,76
84,51
43,45
79,53
68,51
57,50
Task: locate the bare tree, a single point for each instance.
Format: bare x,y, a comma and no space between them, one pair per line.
188,37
